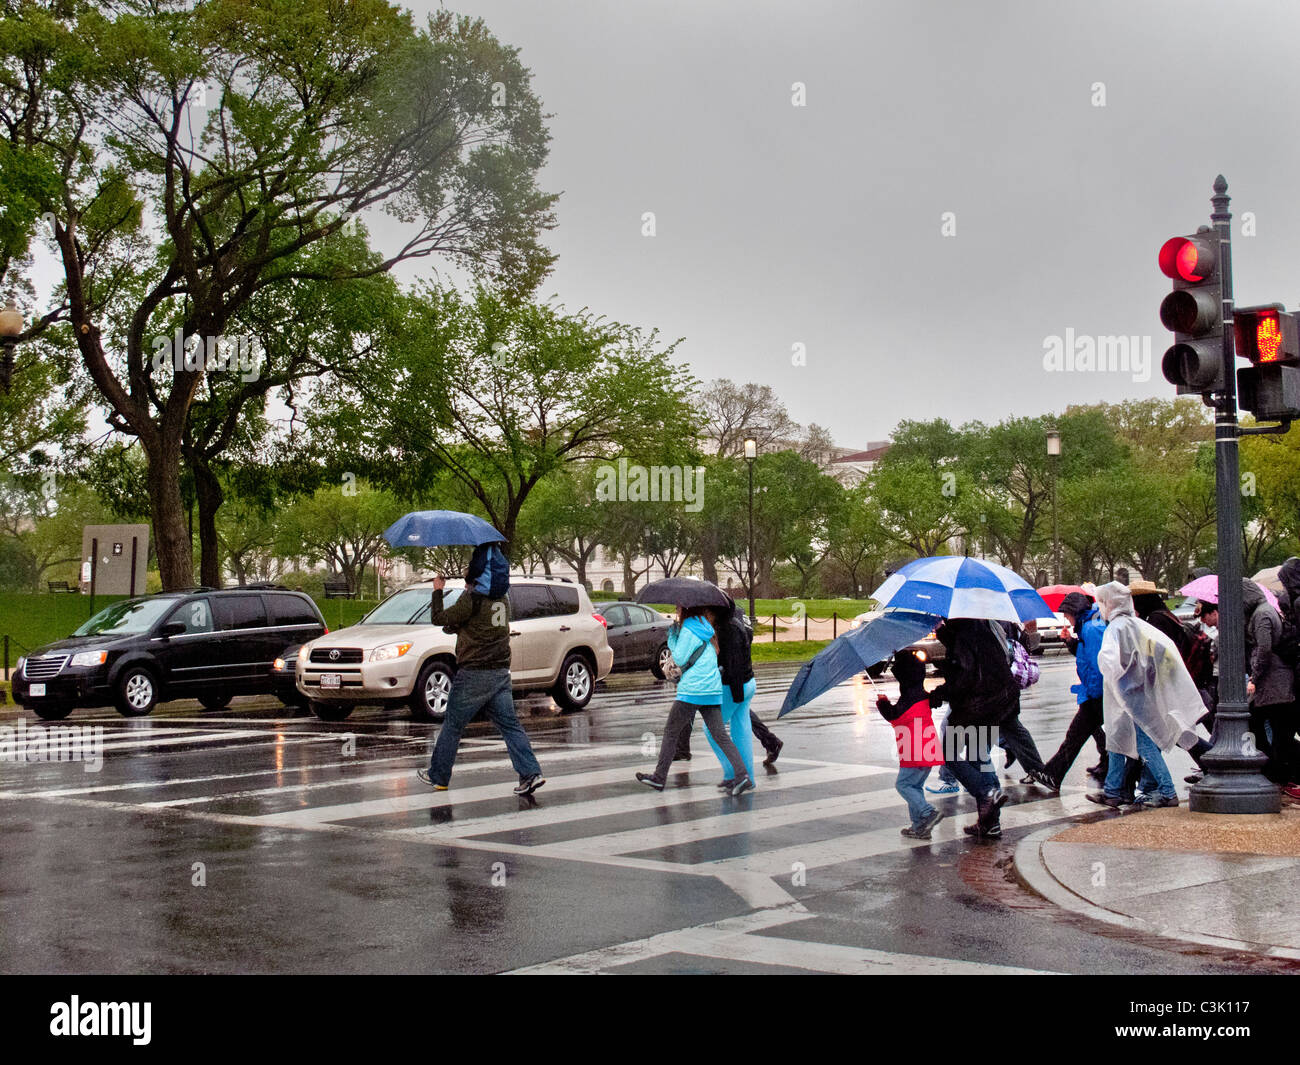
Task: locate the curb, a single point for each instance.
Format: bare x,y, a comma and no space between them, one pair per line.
1032,873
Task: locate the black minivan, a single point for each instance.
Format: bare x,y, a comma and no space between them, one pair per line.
200,644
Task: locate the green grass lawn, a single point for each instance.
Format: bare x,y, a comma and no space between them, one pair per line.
786,650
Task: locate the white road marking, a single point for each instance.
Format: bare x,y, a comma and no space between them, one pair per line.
733,940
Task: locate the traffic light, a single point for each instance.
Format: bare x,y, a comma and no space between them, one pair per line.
1193,311
1269,337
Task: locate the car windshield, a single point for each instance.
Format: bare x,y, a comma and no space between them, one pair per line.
126,618
408,607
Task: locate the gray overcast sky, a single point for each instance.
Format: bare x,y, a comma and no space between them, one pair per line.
821,224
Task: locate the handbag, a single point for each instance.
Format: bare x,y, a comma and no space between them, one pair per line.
1023,667
673,673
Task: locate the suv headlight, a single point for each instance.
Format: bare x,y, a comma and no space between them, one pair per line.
19,667
303,652
389,651
89,658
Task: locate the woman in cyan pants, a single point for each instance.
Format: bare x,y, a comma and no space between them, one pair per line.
737,691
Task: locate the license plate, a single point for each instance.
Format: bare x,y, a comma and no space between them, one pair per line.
331,680
36,689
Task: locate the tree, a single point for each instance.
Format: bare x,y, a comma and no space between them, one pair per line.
918,507
855,539
318,111
733,412
498,394
344,529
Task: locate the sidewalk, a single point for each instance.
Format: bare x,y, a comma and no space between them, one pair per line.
1223,881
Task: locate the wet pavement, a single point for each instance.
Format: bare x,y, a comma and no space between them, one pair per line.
254,839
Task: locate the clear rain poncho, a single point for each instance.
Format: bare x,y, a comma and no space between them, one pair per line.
1145,683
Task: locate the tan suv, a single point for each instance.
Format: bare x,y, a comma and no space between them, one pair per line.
395,655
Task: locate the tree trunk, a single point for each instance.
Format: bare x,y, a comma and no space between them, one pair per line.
210,497
167,514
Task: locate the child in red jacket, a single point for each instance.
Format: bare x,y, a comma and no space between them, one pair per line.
918,743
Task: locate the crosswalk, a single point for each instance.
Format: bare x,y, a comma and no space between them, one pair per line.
806,817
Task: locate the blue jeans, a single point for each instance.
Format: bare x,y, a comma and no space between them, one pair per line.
474,690
909,785
735,719
1154,771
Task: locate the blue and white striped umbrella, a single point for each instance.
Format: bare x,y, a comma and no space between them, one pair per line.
955,586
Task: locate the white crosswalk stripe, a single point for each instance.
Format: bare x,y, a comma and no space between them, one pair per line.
690,829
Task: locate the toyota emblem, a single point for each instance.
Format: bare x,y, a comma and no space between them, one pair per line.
334,655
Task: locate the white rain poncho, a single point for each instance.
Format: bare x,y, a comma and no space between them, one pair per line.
1145,683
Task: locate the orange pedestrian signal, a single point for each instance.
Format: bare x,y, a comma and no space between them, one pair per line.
1266,335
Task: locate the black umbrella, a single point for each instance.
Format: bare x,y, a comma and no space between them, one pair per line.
685,592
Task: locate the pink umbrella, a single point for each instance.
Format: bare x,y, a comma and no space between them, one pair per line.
1207,588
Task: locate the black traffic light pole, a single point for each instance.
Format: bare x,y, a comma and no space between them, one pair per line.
1233,781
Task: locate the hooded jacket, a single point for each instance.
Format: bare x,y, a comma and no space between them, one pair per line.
1145,683
736,663
701,685
1273,679
977,682
1091,632
1289,575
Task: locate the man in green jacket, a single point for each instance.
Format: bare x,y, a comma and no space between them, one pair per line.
482,629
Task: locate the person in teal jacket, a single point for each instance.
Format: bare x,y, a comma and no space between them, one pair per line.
693,646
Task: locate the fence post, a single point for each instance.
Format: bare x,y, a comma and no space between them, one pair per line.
774,628
6,658
835,618
805,627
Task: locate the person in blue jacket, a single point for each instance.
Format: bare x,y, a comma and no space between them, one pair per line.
738,687
692,643
1089,630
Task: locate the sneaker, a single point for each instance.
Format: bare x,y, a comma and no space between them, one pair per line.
528,785
993,831
774,753
743,784
1154,801
423,774
1102,799
928,823
913,833
1044,780
943,789
727,785
650,782
1097,772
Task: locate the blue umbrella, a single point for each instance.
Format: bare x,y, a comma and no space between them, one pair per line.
872,642
436,528
955,586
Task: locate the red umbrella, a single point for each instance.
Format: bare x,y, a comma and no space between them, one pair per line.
1054,593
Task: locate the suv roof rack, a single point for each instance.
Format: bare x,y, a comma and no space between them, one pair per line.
187,591
259,586
544,577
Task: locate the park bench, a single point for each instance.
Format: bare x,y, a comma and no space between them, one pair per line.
59,586
338,590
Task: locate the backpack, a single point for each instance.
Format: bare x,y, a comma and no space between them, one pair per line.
489,571
1287,647
1199,656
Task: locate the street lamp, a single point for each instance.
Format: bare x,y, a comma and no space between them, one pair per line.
751,453
1054,453
11,325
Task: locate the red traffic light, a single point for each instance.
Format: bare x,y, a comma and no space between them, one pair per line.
1189,259
1266,335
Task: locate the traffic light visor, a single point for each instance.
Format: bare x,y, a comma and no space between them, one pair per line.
1187,259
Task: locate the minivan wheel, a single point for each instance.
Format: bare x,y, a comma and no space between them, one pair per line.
214,701
659,667
573,689
137,692
432,688
331,711
52,711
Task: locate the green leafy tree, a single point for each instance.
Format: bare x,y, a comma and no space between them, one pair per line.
197,150
342,528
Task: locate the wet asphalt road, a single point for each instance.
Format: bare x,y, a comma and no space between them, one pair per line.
258,840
